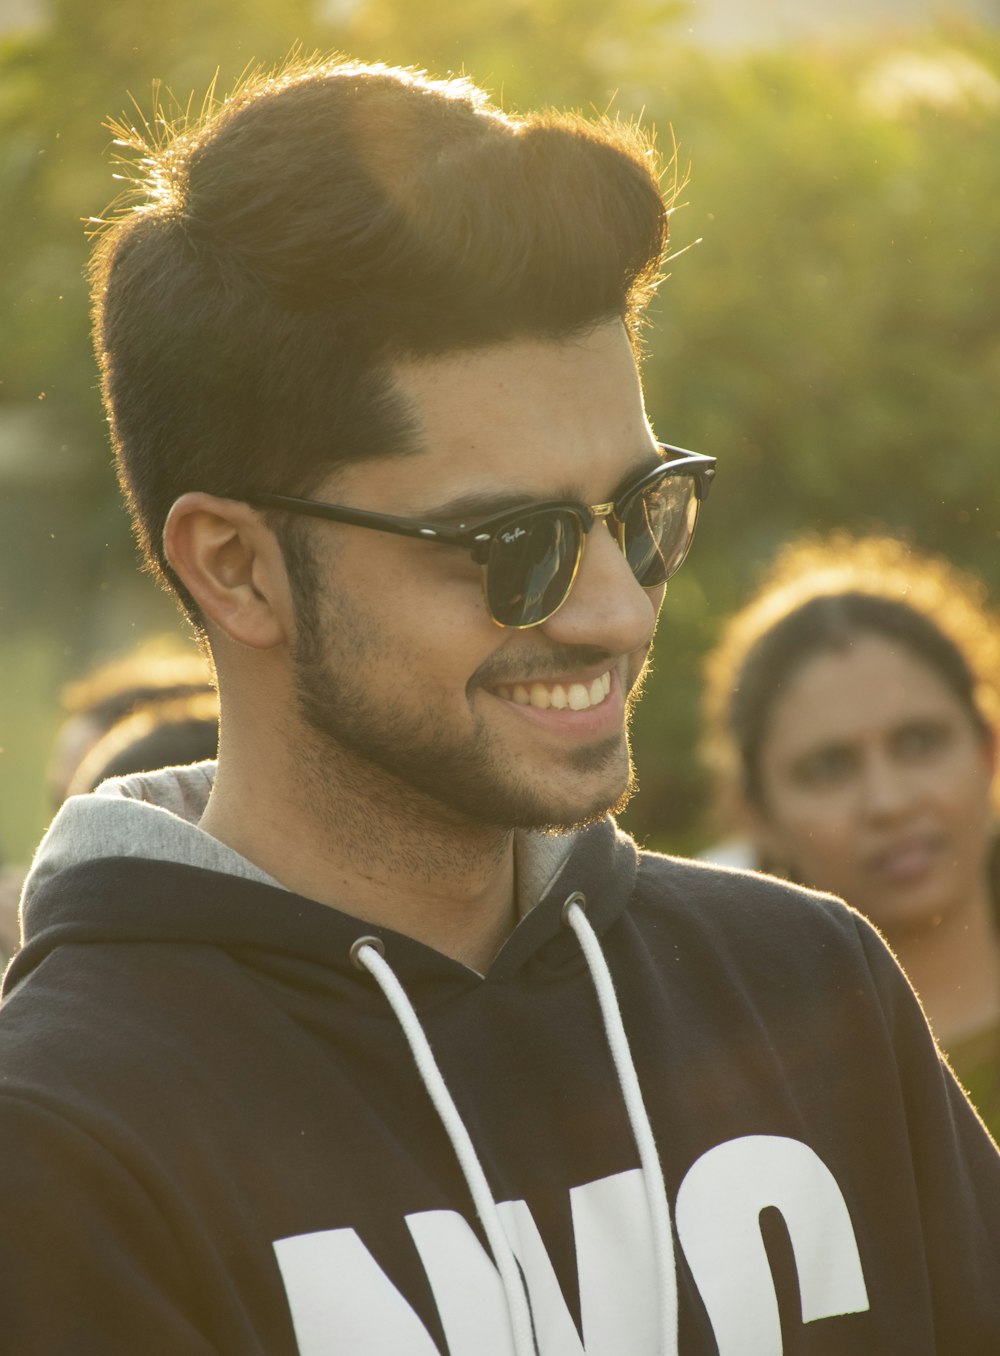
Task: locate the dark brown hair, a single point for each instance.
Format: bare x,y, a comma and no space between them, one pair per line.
326,220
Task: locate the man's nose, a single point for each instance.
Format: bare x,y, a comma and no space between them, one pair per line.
607,607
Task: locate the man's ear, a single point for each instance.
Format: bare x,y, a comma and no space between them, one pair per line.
230,562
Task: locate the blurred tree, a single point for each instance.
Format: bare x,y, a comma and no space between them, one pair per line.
834,337
59,81
529,53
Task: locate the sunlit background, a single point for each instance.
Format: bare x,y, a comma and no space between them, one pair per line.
834,337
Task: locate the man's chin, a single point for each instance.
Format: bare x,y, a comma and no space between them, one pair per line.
578,814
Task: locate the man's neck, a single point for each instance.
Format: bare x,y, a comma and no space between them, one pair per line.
377,852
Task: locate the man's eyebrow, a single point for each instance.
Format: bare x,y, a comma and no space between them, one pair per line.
473,507
478,505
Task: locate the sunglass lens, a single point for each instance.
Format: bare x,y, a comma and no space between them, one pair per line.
658,528
531,566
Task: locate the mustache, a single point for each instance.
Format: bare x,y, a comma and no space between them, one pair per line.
526,666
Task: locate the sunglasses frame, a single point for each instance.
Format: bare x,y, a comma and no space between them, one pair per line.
477,538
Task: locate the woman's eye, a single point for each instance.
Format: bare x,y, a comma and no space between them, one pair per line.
825,767
920,739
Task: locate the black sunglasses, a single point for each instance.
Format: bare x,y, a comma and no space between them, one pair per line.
530,555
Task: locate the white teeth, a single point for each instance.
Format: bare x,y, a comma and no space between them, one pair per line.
539,696
576,697
579,697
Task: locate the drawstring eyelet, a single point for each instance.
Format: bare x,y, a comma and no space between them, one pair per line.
376,944
577,898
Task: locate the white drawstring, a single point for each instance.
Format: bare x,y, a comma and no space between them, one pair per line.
652,1173
367,952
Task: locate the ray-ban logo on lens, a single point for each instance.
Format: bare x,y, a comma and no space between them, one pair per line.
513,536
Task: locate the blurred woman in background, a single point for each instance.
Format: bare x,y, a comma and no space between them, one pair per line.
152,706
851,722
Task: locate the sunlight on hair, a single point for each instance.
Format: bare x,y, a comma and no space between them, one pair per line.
154,148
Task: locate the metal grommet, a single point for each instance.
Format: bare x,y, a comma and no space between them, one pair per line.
575,898
376,944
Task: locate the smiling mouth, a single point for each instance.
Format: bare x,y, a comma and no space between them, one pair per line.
558,696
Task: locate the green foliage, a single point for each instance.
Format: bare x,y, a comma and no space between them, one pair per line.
833,337
29,696
528,53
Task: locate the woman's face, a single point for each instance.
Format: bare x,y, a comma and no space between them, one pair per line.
876,785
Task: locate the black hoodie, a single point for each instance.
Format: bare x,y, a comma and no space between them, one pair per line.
214,1137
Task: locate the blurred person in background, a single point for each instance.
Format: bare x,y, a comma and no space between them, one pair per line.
851,722
168,733
156,670
152,706
380,1036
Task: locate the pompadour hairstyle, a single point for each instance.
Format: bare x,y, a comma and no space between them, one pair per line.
329,219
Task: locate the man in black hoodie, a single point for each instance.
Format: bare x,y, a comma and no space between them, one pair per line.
377,1036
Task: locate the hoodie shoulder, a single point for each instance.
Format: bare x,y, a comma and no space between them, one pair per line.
747,917
708,885
153,817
